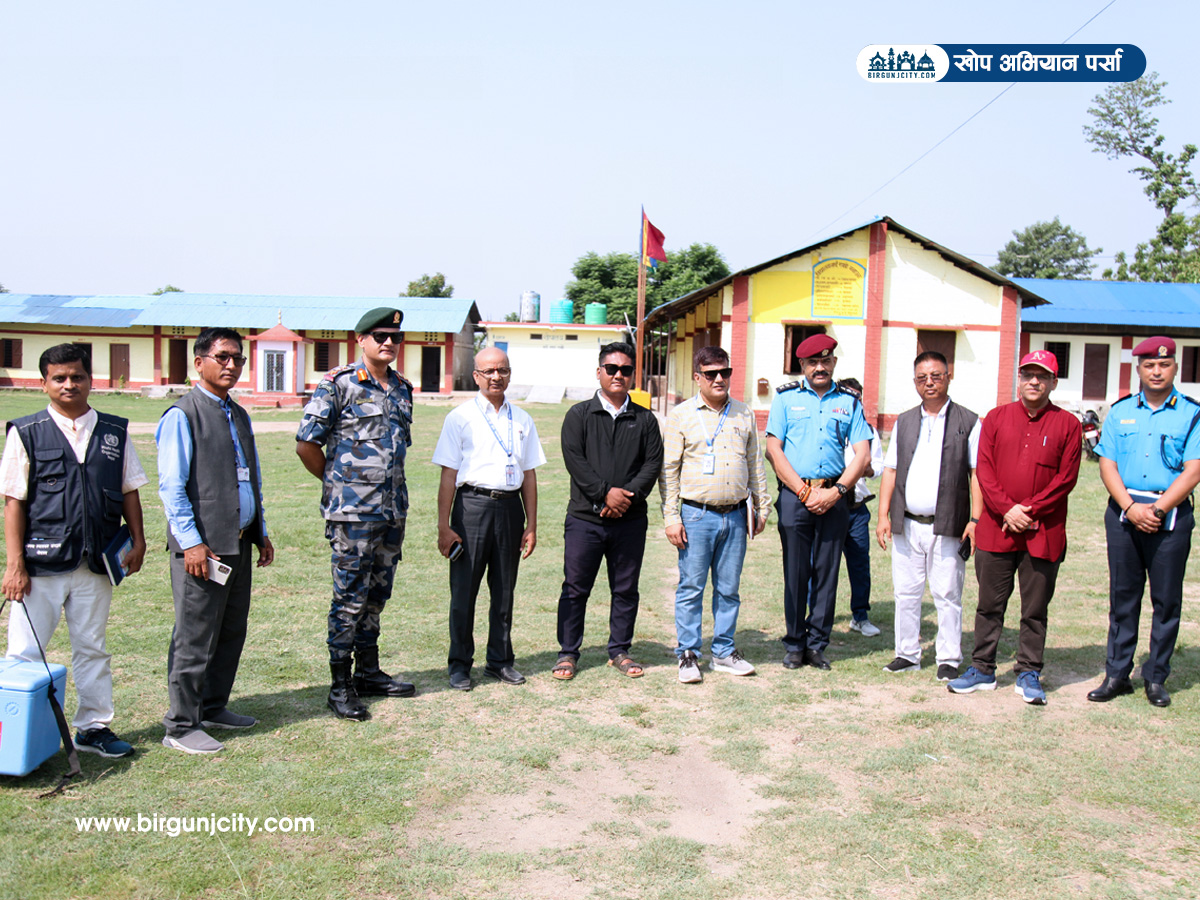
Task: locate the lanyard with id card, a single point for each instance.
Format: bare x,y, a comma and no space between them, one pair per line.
510,470
708,462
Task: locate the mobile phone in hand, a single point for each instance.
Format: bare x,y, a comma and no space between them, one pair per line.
964,549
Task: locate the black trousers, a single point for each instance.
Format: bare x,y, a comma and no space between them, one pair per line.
206,643
491,535
1037,578
1132,556
620,542
812,558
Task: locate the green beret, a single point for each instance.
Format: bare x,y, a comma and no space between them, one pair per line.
380,317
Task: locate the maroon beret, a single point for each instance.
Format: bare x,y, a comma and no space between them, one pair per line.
1155,346
818,346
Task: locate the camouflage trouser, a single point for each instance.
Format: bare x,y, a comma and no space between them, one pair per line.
364,564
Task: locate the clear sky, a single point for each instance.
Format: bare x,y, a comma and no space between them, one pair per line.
315,148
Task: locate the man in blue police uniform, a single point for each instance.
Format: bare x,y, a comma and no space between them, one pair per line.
354,435
810,425
1150,464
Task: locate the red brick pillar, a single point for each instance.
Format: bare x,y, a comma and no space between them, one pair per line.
1010,314
1126,375
448,381
873,363
739,330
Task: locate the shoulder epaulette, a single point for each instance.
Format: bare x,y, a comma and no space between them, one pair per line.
340,370
856,394
1127,398
404,381
1191,400
790,386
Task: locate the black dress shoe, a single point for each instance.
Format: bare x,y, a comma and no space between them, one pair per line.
460,681
1110,688
793,659
507,674
1157,694
816,659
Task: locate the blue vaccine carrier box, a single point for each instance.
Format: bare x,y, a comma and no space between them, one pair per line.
28,732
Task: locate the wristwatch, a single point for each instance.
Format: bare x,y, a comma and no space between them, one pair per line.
1158,513
841,488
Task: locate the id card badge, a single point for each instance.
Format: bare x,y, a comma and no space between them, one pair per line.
708,465
243,473
510,475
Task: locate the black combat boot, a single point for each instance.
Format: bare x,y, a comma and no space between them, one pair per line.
371,681
343,699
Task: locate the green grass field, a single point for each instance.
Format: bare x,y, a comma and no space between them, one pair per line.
844,784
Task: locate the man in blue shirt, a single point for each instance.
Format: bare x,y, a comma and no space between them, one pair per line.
810,425
208,479
1150,464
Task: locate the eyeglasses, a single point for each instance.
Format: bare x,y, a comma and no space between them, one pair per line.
613,369
224,359
936,378
502,371
711,374
382,337
1034,375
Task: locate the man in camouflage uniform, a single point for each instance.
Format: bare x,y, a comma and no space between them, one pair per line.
354,436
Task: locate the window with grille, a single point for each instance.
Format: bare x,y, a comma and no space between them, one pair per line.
1062,353
794,336
11,353
325,356
273,360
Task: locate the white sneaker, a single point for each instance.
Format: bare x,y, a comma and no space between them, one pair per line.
734,664
864,627
194,742
689,669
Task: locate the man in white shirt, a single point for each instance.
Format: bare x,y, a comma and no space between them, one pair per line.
69,476
487,514
929,502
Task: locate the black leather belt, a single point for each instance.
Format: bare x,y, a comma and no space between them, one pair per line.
822,482
488,492
924,520
720,510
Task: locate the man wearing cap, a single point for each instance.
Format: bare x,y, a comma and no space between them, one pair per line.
354,435
487,514
1029,454
928,504
1150,464
808,429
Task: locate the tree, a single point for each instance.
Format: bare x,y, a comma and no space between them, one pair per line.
612,279
3,289
1047,250
1125,126
169,289
512,317
429,286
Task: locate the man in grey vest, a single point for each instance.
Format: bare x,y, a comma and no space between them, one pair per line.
929,503
208,479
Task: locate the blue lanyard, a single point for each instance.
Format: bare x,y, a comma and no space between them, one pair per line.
237,444
511,446
720,424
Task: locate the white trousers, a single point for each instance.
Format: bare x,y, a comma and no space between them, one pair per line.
920,556
83,598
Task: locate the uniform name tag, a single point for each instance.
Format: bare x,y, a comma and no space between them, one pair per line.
510,475
243,473
708,464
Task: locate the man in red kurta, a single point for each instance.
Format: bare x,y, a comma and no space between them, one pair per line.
1028,464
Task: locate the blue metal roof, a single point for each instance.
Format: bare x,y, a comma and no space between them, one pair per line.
421,314
1114,303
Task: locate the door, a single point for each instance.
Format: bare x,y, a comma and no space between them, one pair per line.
431,370
177,364
273,370
118,365
1095,371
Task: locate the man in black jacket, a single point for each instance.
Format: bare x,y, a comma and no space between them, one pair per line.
613,451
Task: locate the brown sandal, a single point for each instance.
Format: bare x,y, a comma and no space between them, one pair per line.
624,664
564,669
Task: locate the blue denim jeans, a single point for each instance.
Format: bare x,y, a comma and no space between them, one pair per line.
716,542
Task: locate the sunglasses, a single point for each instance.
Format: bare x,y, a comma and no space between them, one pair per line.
224,359
613,369
711,374
382,337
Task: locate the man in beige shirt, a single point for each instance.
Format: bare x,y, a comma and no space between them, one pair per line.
713,485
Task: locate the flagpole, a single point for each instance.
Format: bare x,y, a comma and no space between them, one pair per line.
641,315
